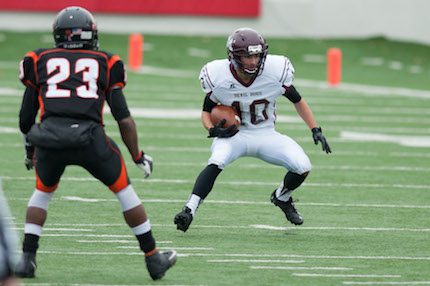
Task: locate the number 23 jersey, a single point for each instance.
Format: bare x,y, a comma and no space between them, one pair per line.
256,102
72,83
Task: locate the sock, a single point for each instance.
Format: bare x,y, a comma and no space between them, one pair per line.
290,183
205,181
31,243
144,236
193,203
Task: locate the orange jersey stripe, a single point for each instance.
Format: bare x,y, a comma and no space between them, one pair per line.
41,187
122,180
35,58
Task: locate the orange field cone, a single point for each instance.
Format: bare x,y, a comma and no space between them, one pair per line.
135,51
334,66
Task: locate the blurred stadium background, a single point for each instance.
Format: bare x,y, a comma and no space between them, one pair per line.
366,206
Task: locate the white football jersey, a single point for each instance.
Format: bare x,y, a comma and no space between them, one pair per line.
256,103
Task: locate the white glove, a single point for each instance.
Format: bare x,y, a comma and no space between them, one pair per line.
145,163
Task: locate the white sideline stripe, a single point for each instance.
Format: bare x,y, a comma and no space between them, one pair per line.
386,283
175,247
284,228
120,241
254,261
346,275
259,255
242,203
301,268
236,183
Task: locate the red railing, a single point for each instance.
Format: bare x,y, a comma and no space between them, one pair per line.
226,8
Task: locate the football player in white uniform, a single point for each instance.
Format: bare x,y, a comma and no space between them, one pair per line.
250,80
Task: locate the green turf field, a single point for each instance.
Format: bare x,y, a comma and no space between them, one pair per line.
366,206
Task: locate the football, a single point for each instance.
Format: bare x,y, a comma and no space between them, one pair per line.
228,113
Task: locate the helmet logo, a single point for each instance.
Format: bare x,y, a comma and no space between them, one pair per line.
257,49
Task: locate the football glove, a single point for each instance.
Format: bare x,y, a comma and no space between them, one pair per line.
218,131
318,136
29,153
145,163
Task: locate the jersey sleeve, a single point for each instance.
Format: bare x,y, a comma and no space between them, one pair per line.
117,73
207,84
28,70
287,76
205,80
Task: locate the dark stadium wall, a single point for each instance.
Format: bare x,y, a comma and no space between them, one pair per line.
226,8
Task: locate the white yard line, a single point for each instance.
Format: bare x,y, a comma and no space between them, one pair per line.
301,268
346,275
238,183
60,229
175,247
259,255
120,241
254,261
386,282
312,152
408,141
253,226
233,202
394,229
372,90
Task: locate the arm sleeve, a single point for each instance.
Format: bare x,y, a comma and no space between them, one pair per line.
292,94
29,108
118,104
208,104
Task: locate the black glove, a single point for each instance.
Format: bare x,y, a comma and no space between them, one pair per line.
318,136
145,163
218,131
29,153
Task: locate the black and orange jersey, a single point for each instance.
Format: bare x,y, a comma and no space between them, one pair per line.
72,83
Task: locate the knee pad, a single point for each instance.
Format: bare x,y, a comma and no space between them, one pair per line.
40,199
127,198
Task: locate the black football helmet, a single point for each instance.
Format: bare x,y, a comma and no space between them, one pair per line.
75,28
245,42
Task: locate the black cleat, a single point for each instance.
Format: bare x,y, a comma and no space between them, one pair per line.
159,263
288,208
183,219
26,266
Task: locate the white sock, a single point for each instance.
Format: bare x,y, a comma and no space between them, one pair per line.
193,203
142,228
33,229
283,194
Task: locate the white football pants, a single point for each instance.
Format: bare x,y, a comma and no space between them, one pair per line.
266,144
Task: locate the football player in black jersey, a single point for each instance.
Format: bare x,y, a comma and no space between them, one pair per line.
68,85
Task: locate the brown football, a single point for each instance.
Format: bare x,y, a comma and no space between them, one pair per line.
228,113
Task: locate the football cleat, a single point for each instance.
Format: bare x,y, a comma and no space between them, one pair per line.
288,208
159,263
26,266
183,219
